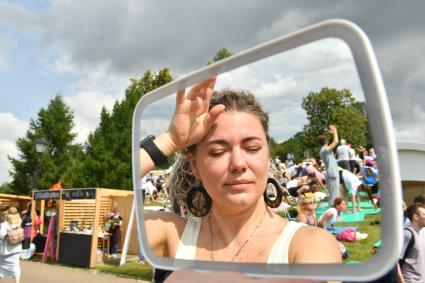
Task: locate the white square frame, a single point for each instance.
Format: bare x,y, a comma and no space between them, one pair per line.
383,138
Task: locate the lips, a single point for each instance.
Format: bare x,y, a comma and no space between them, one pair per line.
238,184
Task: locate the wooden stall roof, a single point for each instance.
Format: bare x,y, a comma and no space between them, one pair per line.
9,196
8,200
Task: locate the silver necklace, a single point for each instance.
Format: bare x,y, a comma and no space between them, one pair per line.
213,239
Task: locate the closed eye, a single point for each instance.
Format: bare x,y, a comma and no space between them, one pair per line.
252,149
217,152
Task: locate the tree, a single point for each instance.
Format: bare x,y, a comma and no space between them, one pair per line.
332,106
107,159
221,54
55,125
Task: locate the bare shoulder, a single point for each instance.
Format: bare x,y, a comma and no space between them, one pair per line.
164,230
314,245
165,219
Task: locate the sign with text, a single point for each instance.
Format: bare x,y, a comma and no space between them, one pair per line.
79,194
40,195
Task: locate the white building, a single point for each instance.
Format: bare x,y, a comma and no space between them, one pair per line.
412,168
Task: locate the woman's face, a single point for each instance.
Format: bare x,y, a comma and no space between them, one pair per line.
308,205
232,160
342,206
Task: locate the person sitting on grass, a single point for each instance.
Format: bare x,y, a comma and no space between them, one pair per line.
330,217
306,213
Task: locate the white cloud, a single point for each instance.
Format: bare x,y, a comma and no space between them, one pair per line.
7,148
10,129
86,107
64,64
97,88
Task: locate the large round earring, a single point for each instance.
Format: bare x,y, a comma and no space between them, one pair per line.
277,199
198,207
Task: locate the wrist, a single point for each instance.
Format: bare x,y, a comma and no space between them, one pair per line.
166,144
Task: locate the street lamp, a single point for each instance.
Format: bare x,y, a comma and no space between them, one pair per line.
40,147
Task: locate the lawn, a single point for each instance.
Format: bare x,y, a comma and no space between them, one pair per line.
131,269
363,250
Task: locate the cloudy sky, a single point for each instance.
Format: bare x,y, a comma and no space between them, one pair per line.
86,51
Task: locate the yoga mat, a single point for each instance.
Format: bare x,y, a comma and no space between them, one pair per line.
371,211
338,229
323,205
351,217
320,211
363,204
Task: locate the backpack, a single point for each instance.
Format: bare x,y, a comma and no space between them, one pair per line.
15,236
408,248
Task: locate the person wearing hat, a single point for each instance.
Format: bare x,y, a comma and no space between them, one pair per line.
10,254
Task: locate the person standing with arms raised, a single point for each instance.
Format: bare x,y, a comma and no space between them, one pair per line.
328,157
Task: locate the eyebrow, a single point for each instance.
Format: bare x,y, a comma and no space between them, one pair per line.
223,142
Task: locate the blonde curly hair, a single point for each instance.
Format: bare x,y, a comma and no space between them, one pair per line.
181,179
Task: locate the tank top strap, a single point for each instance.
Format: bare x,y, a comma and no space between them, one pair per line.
187,245
280,250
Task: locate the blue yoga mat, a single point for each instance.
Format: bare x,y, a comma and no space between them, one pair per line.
338,229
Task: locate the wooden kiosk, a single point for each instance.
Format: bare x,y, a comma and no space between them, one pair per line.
81,240
8,200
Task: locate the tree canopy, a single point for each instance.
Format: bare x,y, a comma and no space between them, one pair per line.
55,125
107,159
338,107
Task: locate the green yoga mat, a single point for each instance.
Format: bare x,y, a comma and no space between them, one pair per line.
346,217
351,217
319,211
378,244
371,211
363,204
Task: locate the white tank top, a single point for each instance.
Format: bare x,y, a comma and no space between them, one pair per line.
278,254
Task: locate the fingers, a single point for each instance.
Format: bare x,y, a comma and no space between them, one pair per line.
212,115
180,97
203,89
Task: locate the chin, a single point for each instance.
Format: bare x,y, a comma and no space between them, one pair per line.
242,200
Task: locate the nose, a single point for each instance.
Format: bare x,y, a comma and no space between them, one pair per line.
237,161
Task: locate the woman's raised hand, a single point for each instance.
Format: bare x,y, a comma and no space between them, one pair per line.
192,120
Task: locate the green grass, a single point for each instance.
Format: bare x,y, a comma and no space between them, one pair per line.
363,250
131,269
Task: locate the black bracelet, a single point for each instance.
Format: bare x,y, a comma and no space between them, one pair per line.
154,152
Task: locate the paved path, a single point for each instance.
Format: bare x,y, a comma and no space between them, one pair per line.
35,272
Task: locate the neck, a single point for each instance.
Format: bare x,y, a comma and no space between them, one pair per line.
236,225
415,227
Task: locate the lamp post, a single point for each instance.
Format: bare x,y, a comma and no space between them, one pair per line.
40,146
